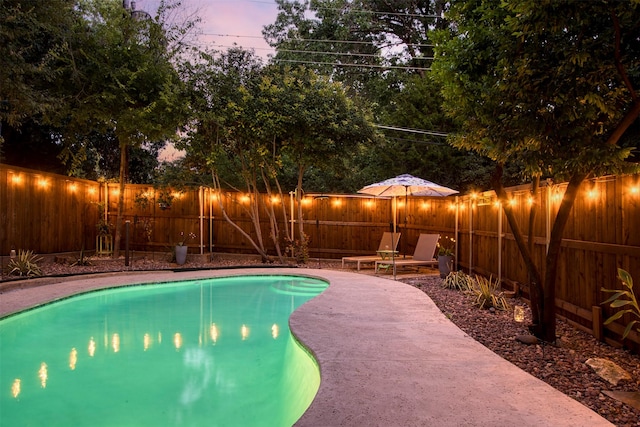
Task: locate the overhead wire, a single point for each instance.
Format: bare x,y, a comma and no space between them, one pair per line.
337,64
300,39
416,15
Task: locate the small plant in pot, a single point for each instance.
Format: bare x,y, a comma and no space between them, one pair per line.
445,255
182,248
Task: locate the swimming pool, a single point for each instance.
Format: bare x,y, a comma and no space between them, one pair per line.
202,352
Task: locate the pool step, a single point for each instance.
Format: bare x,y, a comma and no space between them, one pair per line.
298,288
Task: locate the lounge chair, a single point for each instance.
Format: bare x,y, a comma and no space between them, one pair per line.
386,243
423,254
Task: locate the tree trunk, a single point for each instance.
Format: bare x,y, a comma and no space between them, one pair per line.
547,327
120,210
216,184
535,293
303,237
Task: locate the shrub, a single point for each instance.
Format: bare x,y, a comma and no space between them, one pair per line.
487,294
298,249
25,264
458,280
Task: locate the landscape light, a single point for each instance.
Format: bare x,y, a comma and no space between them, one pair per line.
518,313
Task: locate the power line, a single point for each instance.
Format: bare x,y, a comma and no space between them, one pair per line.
299,39
419,131
415,140
336,64
372,55
413,15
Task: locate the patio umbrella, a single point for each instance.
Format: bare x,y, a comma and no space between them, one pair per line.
405,185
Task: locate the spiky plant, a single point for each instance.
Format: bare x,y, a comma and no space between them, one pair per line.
458,280
487,294
25,264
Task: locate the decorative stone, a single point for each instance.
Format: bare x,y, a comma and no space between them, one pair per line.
608,370
527,339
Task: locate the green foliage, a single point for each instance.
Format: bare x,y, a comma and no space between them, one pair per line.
25,264
549,99
458,280
298,249
81,260
624,298
33,34
487,294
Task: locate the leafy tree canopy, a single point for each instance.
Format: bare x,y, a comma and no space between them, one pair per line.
551,87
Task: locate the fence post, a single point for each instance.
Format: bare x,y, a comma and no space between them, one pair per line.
470,235
596,322
500,246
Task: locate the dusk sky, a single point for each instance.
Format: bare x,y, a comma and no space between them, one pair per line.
225,22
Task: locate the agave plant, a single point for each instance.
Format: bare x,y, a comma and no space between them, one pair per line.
458,280
25,264
619,299
487,294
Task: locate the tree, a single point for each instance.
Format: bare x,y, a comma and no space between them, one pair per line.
122,82
322,124
32,34
251,120
229,132
550,87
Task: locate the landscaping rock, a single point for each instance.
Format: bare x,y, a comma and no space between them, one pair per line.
608,370
527,339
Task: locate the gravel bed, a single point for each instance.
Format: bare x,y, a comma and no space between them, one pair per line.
562,365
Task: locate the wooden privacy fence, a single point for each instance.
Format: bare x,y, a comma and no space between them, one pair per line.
51,213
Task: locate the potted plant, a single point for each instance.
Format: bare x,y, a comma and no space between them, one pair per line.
445,255
181,247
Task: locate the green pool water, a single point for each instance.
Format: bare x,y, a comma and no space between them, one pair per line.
215,352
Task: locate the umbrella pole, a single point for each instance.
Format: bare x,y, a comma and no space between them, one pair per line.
406,200
393,249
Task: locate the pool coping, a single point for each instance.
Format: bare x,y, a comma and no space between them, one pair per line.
387,355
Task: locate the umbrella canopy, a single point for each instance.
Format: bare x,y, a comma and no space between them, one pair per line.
407,185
